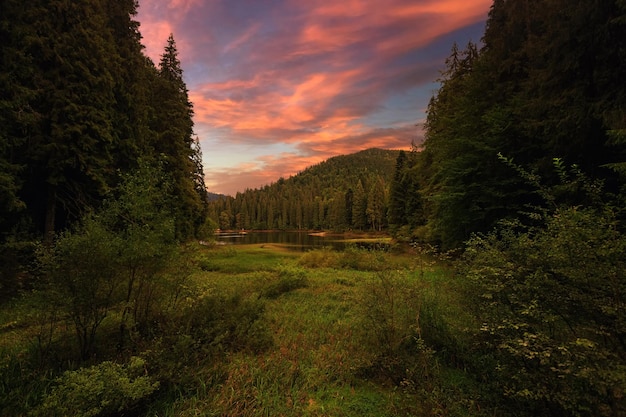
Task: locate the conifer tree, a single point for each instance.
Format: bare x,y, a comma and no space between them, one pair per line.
359,207
398,193
133,72
376,204
16,115
173,127
69,155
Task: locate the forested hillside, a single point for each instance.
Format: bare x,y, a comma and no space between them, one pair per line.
81,106
546,82
344,192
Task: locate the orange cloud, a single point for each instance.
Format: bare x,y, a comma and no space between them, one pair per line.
264,171
295,107
267,169
454,8
335,24
321,77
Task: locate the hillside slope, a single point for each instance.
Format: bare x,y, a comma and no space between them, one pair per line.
343,192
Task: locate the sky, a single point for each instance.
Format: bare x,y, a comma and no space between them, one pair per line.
280,85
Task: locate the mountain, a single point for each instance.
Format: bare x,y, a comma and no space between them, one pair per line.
343,192
344,171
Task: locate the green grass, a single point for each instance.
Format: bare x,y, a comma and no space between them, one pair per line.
321,359
264,331
242,259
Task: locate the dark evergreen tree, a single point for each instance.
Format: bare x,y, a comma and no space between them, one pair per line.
133,72
69,150
173,127
459,163
398,194
337,211
359,207
376,208
414,204
535,91
17,117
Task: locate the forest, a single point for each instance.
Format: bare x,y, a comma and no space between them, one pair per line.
502,294
82,107
347,192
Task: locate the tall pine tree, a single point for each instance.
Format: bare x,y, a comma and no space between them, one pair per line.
174,141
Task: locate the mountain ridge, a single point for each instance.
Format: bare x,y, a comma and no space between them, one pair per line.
344,191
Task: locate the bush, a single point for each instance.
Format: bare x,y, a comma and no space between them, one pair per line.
551,301
391,321
391,307
82,279
101,390
360,259
320,258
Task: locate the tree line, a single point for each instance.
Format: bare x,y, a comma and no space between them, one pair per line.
81,104
347,192
546,82
81,107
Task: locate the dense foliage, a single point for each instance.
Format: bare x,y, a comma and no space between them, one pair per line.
82,104
344,192
547,82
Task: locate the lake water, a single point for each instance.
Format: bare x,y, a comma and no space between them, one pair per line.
300,241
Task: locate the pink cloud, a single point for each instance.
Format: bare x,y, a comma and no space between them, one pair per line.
159,19
311,74
154,37
183,6
296,106
264,171
270,168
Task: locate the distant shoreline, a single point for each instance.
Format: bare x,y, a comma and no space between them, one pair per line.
312,232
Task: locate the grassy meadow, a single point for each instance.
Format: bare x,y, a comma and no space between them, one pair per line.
258,330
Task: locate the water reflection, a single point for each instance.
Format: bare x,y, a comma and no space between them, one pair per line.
300,241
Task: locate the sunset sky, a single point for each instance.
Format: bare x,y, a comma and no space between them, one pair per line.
279,85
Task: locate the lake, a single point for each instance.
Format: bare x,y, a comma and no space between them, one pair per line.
300,241
303,241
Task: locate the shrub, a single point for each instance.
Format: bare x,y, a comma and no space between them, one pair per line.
391,321
101,390
81,278
320,258
361,259
551,301
390,310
